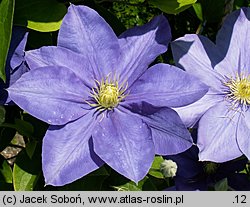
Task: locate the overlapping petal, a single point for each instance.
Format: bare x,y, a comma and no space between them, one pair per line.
125,143
84,31
191,114
169,134
198,56
141,45
217,134
53,94
15,65
59,56
17,46
68,151
166,85
233,41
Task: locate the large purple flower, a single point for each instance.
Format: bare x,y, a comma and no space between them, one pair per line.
223,113
103,105
15,65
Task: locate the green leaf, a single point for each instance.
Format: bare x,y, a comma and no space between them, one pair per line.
198,11
2,114
39,127
221,185
172,6
5,171
6,135
144,184
6,20
91,182
39,15
212,12
155,168
23,127
27,168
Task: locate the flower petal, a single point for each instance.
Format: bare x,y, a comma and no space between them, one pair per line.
59,56
124,142
18,72
52,94
217,134
233,41
68,152
191,114
166,85
141,45
84,31
198,56
17,46
243,133
169,134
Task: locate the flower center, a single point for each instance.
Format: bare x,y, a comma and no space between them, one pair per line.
239,89
107,94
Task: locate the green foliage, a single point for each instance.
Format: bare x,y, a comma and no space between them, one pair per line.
23,127
2,114
6,19
221,185
39,15
91,182
172,6
134,13
155,168
27,168
212,12
5,175
144,184
5,171
198,10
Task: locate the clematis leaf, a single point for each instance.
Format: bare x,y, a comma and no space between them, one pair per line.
172,6
7,135
221,185
91,182
27,169
144,184
2,114
212,13
198,10
5,171
5,175
155,168
24,128
6,19
39,15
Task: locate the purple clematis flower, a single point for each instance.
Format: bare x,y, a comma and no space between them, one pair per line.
224,112
103,105
15,65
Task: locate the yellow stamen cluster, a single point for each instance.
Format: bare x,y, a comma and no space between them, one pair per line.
239,90
107,94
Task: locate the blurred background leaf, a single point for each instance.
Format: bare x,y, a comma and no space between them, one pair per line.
39,15
5,175
6,19
172,6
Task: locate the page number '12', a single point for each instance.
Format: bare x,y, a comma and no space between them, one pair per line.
240,199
